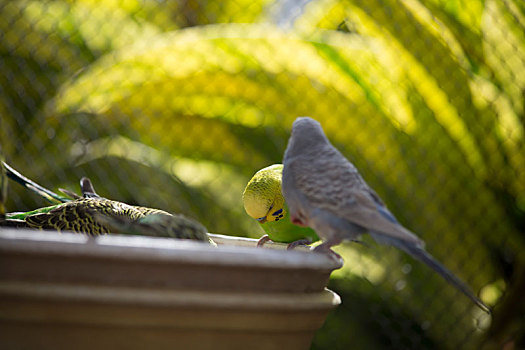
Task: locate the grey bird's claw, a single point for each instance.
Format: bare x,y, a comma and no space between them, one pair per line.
299,242
325,249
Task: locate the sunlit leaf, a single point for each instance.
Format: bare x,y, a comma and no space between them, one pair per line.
504,47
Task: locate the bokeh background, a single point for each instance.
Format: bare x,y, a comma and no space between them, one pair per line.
176,104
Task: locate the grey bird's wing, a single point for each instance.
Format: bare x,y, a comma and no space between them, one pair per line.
330,182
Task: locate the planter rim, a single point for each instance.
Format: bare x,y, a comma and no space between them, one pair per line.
156,249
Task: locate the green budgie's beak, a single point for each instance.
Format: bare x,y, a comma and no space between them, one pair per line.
262,220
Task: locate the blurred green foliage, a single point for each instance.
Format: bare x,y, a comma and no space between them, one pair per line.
175,105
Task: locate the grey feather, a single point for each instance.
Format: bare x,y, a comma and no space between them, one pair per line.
325,191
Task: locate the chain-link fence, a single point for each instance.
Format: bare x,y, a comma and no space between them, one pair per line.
176,104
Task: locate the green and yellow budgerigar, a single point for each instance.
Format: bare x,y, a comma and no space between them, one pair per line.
263,200
93,215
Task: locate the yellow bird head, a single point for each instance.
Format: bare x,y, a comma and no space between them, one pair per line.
263,199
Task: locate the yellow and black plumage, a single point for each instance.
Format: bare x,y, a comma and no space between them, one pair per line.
79,215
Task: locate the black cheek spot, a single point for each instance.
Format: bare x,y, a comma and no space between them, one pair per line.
277,212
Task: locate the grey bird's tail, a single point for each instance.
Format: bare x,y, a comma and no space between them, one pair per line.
423,256
419,253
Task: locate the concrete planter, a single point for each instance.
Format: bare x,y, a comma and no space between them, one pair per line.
69,291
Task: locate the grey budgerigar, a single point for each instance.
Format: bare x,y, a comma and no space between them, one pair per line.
326,192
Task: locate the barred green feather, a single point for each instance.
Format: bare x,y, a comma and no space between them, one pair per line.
79,215
159,225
